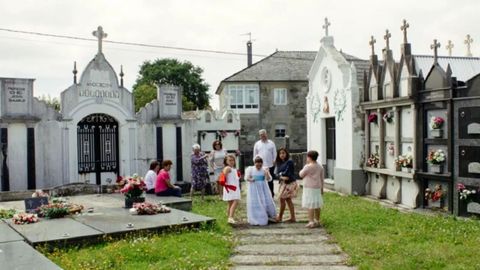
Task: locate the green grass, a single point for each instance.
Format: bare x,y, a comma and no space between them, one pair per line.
376,237
208,247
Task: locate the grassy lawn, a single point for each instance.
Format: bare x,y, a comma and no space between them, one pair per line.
205,248
376,237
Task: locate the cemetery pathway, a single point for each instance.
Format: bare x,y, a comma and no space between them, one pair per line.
285,245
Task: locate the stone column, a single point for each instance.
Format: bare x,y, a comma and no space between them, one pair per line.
397,139
381,138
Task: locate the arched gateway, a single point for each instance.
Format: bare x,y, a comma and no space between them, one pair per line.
97,145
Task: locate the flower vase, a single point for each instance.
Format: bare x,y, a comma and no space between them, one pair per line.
130,201
436,168
437,133
406,169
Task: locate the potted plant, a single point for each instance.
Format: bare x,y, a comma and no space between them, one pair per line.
373,160
372,118
436,123
436,159
388,117
435,197
133,188
405,162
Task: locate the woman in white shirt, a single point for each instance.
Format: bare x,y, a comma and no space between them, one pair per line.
216,158
151,176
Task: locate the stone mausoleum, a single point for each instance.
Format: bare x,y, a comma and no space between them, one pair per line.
97,136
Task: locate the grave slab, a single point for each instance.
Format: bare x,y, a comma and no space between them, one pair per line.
116,220
60,229
7,234
21,256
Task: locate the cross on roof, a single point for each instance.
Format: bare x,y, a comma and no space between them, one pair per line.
372,44
434,47
468,41
449,47
325,26
404,29
100,35
387,38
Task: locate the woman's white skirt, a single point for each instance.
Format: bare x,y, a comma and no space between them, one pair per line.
312,198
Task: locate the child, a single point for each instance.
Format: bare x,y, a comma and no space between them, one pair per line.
312,175
288,187
231,195
260,205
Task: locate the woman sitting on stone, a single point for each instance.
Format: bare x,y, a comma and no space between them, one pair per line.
163,187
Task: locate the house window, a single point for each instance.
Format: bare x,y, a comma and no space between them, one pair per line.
243,96
280,96
280,130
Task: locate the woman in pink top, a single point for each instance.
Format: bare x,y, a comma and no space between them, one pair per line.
312,175
163,187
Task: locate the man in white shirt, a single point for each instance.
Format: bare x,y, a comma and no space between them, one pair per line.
151,176
266,149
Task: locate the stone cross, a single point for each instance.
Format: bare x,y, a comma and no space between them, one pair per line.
468,41
100,35
449,47
372,44
404,29
387,38
434,47
325,26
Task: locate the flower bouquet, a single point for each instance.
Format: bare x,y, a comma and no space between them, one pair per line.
147,208
237,132
436,157
373,160
388,117
436,122
372,118
434,195
405,161
133,188
53,210
24,218
464,192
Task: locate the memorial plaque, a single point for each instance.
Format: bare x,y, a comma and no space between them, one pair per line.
473,207
468,123
33,203
170,97
469,161
17,95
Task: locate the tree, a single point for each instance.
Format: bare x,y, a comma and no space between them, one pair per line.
171,71
52,102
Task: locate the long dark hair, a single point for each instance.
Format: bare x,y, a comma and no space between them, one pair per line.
278,160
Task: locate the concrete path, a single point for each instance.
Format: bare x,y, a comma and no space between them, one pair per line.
285,245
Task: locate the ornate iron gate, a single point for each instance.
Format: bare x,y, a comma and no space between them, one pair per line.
97,143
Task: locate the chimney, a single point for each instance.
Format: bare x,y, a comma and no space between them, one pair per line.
249,53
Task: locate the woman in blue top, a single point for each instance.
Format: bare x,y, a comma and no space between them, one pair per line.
260,205
284,171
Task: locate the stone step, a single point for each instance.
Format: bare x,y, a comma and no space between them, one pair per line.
288,260
273,231
287,249
283,239
292,267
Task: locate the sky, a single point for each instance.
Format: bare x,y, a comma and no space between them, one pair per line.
214,25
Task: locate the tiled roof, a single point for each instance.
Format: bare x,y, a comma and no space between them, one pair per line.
279,66
463,68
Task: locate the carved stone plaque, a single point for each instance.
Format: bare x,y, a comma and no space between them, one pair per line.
473,207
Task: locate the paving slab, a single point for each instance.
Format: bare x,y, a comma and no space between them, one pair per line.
60,229
8,234
287,249
303,267
288,260
21,256
117,220
283,239
271,231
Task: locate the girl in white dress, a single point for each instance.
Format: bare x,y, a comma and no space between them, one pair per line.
231,190
260,205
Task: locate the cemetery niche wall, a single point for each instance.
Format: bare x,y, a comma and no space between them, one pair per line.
96,136
420,132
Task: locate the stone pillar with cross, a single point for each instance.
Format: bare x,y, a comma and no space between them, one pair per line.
387,37
326,25
449,47
435,47
100,36
468,41
373,56
404,27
